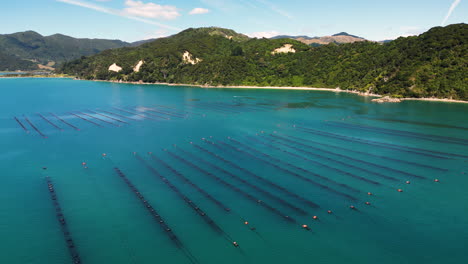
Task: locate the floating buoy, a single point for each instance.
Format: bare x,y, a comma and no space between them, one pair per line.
104,154
83,163
436,180
315,217
400,190
408,182
369,193
246,223
235,244
305,227
329,211
352,207
367,203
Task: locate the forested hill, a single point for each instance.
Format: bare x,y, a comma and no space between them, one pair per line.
434,64
25,50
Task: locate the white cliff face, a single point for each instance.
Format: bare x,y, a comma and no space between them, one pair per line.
287,48
115,68
188,58
138,66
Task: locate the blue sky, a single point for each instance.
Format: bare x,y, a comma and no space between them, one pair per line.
132,20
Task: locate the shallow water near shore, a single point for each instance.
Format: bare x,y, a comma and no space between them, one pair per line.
323,147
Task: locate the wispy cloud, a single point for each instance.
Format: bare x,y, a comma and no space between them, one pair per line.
199,11
275,9
150,10
263,34
451,9
115,12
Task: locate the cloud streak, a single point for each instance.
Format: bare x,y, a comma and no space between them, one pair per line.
276,9
199,11
115,12
451,9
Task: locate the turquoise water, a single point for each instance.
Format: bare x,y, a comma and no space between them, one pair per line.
317,153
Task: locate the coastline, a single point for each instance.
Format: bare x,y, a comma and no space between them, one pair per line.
336,90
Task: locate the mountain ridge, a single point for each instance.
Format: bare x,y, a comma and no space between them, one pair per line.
432,64
28,50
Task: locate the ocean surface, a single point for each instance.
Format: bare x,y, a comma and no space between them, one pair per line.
161,174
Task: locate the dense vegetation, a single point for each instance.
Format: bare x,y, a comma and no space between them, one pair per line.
433,64
13,63
33,47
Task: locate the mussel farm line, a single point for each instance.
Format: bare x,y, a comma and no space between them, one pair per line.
65,122
234,188
50,122
416,151
292,173
222,206
21,124
99,119
247,172
168,231
189,202
258,189
63,223
34,127
385,168
367,154
85,119
401,133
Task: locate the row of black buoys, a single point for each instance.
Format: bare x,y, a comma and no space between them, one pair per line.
142,110
185,179
99,119
416,151
425,166
328,166
292,173
63,223
401,133
164,112
355,160
65,122
85,119
119,115
233,187
338,161
157,217
258,189
34,127
21,124
133,113
308,172
50,122
247,172
107,116
189,201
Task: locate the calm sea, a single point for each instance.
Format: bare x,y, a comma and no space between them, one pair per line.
275,158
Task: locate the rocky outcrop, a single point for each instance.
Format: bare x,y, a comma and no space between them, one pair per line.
189,59
386,99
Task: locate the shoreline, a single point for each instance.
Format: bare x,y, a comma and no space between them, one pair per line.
336,90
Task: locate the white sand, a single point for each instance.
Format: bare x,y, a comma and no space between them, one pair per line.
115,68
138,66
287,48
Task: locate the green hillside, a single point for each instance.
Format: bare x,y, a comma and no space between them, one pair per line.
434,64
57,48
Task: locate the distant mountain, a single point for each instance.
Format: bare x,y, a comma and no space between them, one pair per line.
339,38
432,64
30,50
